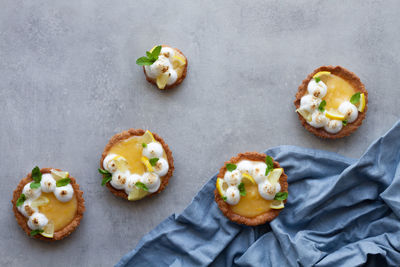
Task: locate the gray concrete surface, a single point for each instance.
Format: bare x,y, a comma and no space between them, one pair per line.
69,82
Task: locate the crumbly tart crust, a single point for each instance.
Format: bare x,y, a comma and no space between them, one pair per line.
358,86
225,207
138,132
178,81
60,234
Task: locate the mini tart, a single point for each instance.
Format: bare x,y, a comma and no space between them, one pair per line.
126,135
350,78
179,79
226,208
60,234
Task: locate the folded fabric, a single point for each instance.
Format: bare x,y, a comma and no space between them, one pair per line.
340,212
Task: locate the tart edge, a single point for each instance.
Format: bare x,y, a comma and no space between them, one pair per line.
138,132
178,81
350,77
225,207
64,232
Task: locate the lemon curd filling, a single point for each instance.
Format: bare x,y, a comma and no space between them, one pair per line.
131,149
338,91
61,213
252,204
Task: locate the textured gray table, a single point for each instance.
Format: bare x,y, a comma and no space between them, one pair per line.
69,82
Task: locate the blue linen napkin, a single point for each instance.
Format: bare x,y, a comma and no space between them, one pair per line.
340,212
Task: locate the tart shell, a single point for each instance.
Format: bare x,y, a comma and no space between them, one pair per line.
138,132
178,81
225,207
60,234
358,86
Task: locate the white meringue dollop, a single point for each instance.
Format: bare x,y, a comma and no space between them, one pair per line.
309,103
64,193
153,150
349,111
232,195
37,221
152,181
119,179
267,190
318,119
333,126
48,184
31,193
317,89
233,178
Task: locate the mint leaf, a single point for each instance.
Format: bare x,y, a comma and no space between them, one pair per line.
105,180
141,186
281,196
322,105
344,122
36,175
106,176
104,171
150,57
63,182
355,98
21,200
36,232
144,145
153,161
231,167
156,52
317,79
34,185
242,189
142,61
270,164
224,198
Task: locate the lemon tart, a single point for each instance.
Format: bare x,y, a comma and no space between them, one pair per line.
164,66
251,189
331,102
136,164
48,204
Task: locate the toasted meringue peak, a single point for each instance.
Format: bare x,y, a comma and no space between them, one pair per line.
64,193
233,178
309,103
333,126
37,221
267,190
131,182
31,193
232,195
151,180
119,179
153,150
48,184
161,167
349,111
317,89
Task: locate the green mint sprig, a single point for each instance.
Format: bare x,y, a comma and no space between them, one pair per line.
36,232
224,198
322,105
150,57
144,145
21,200
37,177
231,167
317,79
281,196
242,189
270,164
153,161
106,176
141,186
355,98
344,122
63,182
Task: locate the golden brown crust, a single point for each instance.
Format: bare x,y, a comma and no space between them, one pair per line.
226,208
138,132
60,234
358,86
178,81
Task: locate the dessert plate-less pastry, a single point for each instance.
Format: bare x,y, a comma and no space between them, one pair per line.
251,189
331,102
135,164
48,204
164,66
